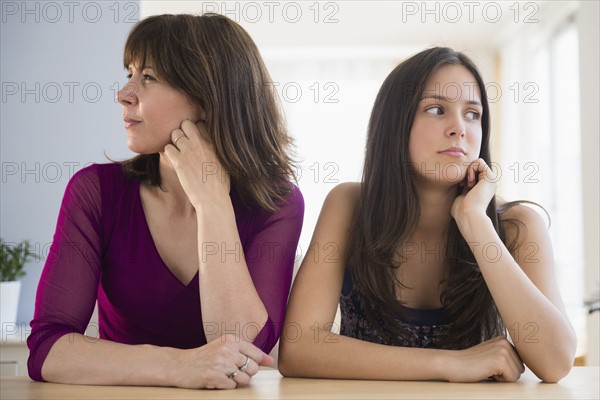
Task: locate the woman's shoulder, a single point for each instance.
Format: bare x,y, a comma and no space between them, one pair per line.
104,171
293,197
99,179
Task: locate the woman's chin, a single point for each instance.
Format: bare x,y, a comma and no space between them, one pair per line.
141,148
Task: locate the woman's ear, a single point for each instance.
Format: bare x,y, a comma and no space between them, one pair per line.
201,113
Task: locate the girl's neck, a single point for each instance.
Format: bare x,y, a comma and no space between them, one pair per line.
436,205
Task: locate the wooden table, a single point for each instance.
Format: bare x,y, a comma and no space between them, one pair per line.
582,383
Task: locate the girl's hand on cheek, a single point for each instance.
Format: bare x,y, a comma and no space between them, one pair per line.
198,168
478,189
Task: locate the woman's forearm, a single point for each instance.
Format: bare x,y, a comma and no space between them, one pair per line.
228,297
79,359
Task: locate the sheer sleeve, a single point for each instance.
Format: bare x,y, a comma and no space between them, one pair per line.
270,256
68,286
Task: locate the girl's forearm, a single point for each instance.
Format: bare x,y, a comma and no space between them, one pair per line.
318,353
542,336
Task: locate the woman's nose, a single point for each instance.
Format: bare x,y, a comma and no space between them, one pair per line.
128,94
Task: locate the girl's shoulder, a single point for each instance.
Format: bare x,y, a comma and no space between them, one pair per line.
337,213
345,195
521,219
346,190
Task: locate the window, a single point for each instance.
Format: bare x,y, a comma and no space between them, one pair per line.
540,152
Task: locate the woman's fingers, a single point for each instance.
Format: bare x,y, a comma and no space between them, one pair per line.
179,138
196,132
242,378
255,354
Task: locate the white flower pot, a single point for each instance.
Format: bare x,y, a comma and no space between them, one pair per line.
9,304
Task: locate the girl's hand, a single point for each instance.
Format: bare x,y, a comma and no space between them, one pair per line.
479,187
213,365
495,358
199,170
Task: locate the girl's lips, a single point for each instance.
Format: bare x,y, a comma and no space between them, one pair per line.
453,153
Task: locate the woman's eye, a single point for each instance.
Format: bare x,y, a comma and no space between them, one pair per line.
474,115
435,110
149,77
128,76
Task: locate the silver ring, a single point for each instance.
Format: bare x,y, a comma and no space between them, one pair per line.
234,374
245,366
177,138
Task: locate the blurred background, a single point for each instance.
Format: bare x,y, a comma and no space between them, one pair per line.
61,66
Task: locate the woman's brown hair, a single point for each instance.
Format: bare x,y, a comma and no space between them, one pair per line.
216,64
389,212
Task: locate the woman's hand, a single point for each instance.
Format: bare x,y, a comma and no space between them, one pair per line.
214,365
200,172
495,358
479,187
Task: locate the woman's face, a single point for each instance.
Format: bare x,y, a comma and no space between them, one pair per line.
152,109
446,132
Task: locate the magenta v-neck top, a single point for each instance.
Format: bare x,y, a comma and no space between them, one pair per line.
103,250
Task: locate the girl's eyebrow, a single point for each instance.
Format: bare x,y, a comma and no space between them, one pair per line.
447,99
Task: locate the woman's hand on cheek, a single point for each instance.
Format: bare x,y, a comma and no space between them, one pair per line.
478,189
198,168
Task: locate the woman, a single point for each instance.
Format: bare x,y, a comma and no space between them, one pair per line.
186,247
431,271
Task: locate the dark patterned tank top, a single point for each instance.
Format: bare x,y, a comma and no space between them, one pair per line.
424,328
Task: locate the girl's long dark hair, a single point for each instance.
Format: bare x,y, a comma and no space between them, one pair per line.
389,211
213,60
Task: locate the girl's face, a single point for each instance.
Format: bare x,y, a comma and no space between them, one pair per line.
152,109
446,132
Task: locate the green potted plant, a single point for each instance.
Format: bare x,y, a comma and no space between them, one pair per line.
13,258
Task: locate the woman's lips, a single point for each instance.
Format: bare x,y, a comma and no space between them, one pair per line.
129,122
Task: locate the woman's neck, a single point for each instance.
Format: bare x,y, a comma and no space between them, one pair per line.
171,192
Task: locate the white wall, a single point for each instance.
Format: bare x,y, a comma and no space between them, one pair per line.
55,60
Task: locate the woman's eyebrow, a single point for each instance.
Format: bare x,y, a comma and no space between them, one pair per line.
131,66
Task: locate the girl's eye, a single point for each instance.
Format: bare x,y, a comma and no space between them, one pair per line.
437,110
474,115
128,76
149,77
